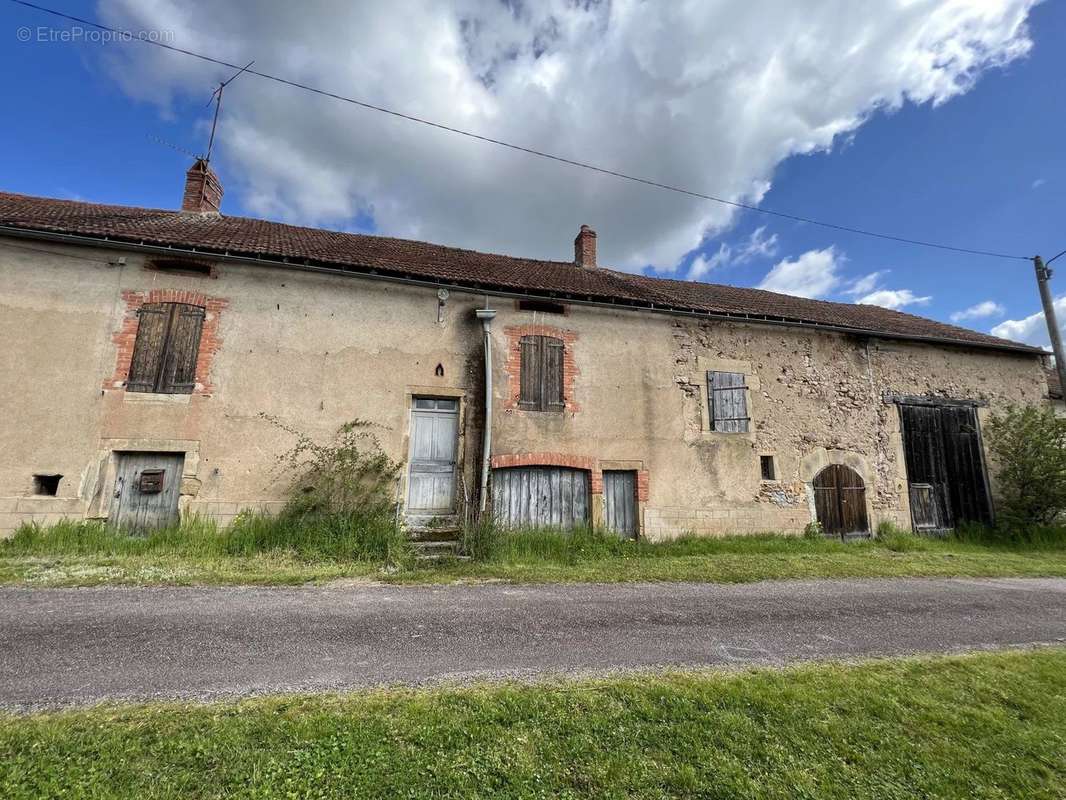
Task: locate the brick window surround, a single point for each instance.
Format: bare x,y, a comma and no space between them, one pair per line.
125,337
548,459
513,364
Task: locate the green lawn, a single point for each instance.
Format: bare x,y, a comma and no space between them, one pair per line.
988,726
197,553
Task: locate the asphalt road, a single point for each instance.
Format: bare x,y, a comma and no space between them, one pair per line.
62,647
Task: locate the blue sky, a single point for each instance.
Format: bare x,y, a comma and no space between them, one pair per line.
985,169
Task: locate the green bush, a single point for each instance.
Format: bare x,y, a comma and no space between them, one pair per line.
1028,450
1037,537
341,503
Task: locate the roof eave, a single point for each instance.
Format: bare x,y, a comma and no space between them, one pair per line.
357,270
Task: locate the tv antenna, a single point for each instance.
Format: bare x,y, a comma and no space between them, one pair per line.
216,98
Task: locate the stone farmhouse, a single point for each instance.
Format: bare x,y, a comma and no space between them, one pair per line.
141,348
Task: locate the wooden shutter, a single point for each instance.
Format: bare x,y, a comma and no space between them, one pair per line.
553,374
183,346
541,377
531,373
728,400
152,325
166,349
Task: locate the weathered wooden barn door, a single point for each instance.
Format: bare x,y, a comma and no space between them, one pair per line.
840,501
431,462
540,497
945,466
964,454
620,502
147,487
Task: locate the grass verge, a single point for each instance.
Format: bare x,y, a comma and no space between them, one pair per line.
266,551
989,726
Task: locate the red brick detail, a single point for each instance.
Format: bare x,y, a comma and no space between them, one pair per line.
203,189
513,364
642,486
585,248
126,336
554,460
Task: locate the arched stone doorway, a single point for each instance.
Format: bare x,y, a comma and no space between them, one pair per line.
840,501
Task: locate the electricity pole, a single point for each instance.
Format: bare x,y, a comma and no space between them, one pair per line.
1043,274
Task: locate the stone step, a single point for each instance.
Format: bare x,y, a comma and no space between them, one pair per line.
431,550
434,534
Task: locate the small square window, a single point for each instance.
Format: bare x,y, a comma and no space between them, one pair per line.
47,485
766,465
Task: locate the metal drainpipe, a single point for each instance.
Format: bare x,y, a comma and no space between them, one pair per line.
486,315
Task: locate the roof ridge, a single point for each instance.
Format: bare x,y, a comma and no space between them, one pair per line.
282,241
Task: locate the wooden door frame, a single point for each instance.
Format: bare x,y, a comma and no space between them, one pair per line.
103,472
461,479
820,458
977,406
116,458
844,534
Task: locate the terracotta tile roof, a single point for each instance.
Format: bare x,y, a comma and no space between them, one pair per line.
272,240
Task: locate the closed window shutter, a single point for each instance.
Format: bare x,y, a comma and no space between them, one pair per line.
152,324
183,348
166,349
553,375
728,400
541,376
532,363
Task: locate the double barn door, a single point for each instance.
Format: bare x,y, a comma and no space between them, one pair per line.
945,466
840,501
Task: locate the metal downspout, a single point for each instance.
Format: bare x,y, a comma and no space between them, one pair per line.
486,315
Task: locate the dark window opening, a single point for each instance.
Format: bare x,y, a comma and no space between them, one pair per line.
766,465
728,400
543,306
46,484
166,349
176,266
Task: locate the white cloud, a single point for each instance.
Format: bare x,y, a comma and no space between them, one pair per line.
1032,329
865,284
816,273
893,298
1039,182
758,245
706,95
987,308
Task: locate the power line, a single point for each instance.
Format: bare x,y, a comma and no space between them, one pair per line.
128,36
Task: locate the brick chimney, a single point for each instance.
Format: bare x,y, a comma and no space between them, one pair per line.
585,248
203,189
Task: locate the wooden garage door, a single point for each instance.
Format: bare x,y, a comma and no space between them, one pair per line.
840,501
540,497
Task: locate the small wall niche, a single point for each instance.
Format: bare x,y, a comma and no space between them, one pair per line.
46,485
